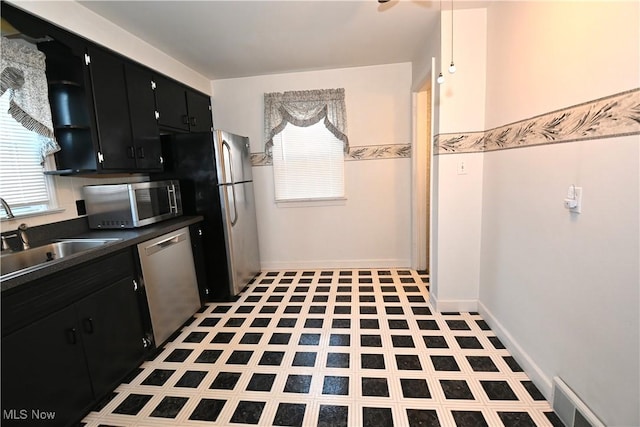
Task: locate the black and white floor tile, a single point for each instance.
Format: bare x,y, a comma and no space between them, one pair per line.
330,348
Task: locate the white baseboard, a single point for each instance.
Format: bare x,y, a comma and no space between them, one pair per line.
463,305
533,371
336,264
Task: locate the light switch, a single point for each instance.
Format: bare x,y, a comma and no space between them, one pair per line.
462,167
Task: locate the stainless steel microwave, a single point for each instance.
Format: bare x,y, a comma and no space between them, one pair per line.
131,205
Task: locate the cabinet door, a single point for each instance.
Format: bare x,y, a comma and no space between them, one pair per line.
71,107
199,262
44,370
111,109
112,334
144,126
171,102
200,119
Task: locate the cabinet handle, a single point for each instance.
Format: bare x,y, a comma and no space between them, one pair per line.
71,336
132,152
88,325
185,120
192,121
141,152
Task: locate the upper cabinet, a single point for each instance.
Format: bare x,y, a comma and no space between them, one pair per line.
200,114
103,111
181,108
124,106
144,124
111,107
71,109
108,111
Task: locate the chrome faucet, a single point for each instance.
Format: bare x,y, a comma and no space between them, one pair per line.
5,244
22,234
7,208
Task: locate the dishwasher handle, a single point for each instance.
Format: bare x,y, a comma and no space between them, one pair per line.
163,244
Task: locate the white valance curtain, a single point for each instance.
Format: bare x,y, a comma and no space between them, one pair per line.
303,109
23,74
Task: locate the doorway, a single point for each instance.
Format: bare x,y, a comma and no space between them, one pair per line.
422,137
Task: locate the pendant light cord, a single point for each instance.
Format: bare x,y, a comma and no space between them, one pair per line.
452,67
440,78
452,31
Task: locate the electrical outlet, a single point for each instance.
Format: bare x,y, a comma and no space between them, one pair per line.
578,198
573,202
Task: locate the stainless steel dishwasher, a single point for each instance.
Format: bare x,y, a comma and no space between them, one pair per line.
170,282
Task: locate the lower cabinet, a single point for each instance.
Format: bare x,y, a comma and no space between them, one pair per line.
56,368
44,372
112,336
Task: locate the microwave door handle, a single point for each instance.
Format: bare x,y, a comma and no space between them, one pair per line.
173,202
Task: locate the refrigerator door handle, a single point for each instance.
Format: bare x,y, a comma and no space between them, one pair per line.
229,163
235,208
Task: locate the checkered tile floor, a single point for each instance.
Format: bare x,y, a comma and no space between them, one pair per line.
330,348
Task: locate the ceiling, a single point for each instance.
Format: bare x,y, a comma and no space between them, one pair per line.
228,39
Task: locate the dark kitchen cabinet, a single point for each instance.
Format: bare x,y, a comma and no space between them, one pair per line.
199,106
108,111
113,122
44,370
123,100
171,103
144,125
71,109
69,339
102,104
112,334
182,109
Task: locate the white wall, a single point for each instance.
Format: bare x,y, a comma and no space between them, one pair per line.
372,228
80,20
457,198
563,288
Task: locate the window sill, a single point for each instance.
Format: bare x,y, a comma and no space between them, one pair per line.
32,214
306,203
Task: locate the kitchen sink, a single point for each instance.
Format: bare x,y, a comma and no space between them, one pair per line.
13,263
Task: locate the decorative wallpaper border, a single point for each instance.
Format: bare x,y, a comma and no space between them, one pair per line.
369,152
608,117
612,116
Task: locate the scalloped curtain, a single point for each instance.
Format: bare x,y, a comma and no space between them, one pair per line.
303,109
23,74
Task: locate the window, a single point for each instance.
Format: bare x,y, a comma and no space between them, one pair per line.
305,137
22,182
308,163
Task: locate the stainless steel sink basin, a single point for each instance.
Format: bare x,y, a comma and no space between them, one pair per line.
22,261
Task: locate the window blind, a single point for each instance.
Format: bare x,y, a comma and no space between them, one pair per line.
308,163
22,182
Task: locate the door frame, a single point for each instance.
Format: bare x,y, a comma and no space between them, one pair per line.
422,103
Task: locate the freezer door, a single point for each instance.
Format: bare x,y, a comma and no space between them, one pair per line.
241,234
234,158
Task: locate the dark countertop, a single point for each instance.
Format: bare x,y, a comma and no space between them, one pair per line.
129,237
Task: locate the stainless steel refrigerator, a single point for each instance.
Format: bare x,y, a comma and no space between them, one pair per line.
235,187
214,170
